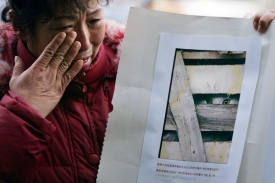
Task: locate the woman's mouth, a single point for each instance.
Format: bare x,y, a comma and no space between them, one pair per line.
87,62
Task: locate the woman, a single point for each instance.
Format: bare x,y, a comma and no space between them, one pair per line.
58,67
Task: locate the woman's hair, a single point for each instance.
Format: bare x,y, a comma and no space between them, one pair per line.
28,12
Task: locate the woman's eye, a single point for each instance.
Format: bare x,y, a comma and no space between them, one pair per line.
94,21
65,27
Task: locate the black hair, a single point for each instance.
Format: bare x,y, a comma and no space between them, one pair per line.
28,12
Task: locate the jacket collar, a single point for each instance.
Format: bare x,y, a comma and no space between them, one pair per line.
25,54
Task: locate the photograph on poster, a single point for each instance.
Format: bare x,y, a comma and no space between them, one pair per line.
202,105
199,110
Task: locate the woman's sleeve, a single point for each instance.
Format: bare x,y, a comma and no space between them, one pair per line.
24,135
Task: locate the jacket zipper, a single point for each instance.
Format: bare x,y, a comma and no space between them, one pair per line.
90,118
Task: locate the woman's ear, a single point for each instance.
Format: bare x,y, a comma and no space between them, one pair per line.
11,15
18,31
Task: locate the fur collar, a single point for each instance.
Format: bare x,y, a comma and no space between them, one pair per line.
114,34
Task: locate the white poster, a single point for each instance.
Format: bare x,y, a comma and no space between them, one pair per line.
199,111
229,67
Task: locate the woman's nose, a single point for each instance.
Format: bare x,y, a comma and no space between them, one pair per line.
83,37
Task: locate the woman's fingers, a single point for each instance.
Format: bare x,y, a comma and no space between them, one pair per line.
71,73
49,52
68,59
257,18
62,51
59,55
56,50
57,63
262,19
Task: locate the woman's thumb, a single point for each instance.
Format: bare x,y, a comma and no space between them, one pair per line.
18,67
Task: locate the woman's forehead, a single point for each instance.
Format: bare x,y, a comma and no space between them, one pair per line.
75,16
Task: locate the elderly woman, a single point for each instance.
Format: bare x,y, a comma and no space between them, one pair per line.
58,68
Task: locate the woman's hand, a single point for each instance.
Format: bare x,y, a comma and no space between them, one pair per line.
262,19
43,84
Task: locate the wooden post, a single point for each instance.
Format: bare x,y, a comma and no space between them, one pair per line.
183,109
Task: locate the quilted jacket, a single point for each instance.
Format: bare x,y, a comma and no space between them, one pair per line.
64,147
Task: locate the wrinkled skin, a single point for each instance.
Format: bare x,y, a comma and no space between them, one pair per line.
43,84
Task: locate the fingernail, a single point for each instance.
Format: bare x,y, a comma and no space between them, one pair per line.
255,24
15,58
72,33
260,28
76,45
62,35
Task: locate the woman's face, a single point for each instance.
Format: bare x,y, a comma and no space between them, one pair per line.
88,24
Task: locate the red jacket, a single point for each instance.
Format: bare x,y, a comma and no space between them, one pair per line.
66,146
